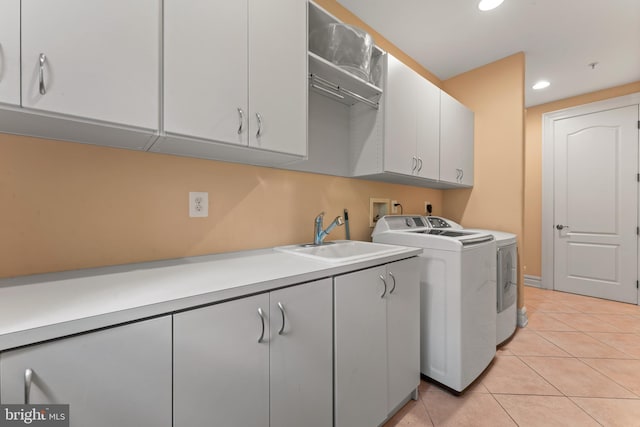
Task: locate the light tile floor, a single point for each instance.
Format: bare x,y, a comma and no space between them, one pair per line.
577,363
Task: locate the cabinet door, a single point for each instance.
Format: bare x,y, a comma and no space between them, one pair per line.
278,75
205,69
10,52
301,355
360,348
220,369
456,141
400,118
114,377
102,59
428,129
403,329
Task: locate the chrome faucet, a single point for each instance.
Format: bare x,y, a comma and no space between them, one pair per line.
318,233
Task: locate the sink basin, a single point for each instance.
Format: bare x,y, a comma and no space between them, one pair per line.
342,250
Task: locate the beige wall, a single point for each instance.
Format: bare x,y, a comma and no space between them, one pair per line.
495,92
66,206
533,168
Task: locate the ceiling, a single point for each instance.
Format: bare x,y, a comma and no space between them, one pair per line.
560,38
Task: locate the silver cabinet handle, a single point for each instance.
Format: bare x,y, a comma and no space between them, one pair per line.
261,314
240,119
43,59
394,283
414,164
259,132
420,164
385,286
561,227
28,376
283,319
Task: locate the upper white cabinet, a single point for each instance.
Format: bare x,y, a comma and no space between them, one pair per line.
411,137
10,52
427,138
234,73
278,75
205,90
115,377
456,142
95,59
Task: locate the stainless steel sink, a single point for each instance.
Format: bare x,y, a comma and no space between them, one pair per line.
342,250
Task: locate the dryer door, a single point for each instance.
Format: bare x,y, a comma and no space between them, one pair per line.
507,277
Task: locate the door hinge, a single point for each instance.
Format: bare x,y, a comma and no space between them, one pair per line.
638,124
638,231
638,177
637,284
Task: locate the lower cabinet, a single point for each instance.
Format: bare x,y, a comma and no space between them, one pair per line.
377,342
257,361
263,360
113,377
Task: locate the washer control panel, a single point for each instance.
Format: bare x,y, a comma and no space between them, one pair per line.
437,222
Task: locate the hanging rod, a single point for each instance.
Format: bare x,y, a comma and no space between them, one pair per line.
338,91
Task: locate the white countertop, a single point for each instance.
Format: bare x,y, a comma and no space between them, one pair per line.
48,306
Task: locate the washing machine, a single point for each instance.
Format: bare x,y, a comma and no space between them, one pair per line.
457,297
506,276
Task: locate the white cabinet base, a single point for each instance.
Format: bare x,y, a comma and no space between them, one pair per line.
18,121
203,149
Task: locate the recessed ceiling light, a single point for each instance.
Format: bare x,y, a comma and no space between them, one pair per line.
540,85
485,5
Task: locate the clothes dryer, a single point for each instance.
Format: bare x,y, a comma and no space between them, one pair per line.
506,276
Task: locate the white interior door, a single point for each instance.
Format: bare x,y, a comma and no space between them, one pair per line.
596,204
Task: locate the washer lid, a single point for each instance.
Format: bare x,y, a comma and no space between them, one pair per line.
502,237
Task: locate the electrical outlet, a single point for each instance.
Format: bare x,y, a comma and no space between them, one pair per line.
198,204
394,208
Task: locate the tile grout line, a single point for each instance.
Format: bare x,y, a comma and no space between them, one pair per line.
611,379
424,405
540,375
504,409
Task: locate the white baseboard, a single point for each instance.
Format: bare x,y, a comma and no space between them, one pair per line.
523,320
534,281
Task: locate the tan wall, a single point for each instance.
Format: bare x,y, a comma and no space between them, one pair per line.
495,92
533,168
67,206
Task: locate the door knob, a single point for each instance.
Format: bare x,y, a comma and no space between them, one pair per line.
561,227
